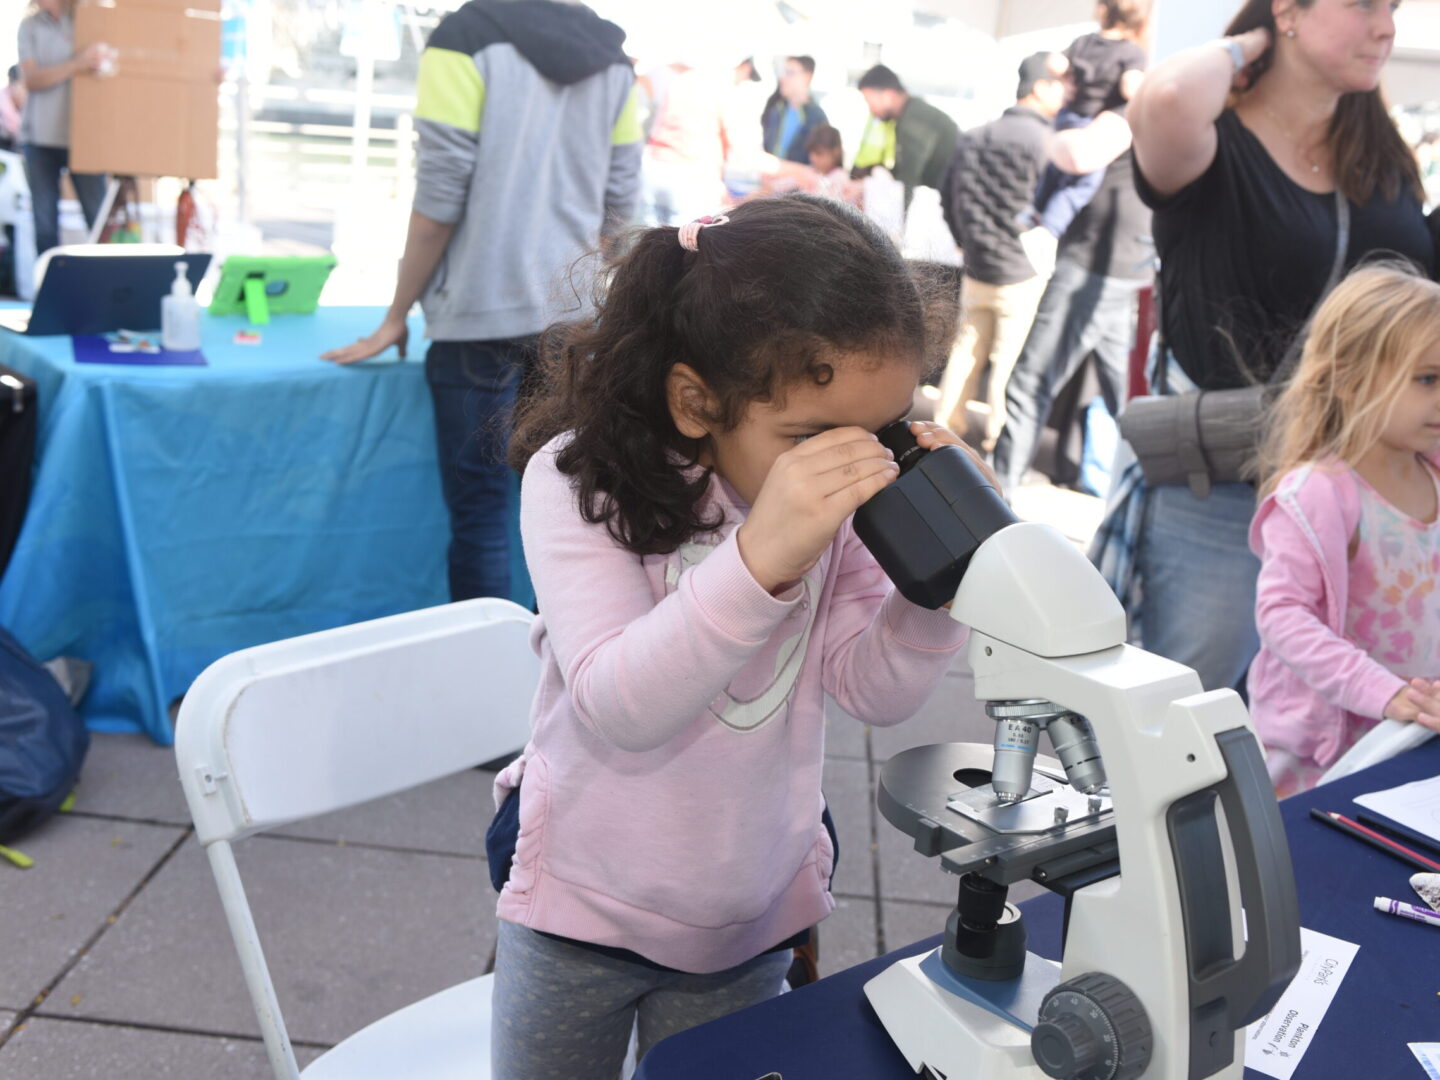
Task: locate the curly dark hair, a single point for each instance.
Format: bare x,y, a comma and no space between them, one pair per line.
773,297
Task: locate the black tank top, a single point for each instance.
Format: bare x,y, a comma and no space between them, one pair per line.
1245,252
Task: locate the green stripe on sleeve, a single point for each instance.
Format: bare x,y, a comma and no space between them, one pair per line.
450,90
627,128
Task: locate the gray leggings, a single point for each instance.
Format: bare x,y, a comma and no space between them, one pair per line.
565,1012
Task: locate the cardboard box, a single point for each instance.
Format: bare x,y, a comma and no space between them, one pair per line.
158,114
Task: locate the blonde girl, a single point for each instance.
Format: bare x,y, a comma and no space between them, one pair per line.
1347,530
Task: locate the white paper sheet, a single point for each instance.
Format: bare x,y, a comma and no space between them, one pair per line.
1276,1042
1415,805
1428,1054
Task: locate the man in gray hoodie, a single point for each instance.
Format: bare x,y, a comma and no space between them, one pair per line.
529,157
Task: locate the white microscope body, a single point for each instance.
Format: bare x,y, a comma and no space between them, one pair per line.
1046,626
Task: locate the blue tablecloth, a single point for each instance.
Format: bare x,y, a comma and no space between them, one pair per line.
181,513
828,1029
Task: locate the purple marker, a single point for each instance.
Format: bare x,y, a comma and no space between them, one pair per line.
1407,911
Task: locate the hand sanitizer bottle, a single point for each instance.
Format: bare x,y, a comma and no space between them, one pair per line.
180,315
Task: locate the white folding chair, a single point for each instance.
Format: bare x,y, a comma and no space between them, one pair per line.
298,728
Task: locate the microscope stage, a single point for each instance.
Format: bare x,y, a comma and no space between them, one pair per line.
1049,806
941,796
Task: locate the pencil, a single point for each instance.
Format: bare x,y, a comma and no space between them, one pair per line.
1422,843
1374,839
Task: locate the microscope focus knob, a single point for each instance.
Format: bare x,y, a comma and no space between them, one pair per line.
1092,1027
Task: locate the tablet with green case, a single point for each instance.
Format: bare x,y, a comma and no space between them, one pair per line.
258,286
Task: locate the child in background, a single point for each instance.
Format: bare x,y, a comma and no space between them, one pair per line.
827,159
823,176
1105,71
689,475
826,151
1347,530
12,104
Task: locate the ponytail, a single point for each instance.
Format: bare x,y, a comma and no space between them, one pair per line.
768,299
606,384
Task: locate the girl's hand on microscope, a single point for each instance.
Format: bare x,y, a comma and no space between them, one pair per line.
931,435
808,493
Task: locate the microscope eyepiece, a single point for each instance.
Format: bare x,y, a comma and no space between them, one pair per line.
924,527
899,440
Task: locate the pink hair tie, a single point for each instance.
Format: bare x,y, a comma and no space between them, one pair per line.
690,232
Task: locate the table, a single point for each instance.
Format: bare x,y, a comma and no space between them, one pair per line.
827,1030
181,513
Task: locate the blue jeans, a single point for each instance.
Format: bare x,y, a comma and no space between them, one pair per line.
472,385
1079,313
1197,578
43,165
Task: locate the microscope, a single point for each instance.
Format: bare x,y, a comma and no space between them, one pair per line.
1155,821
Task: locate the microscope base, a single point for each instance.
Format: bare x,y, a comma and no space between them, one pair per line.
951,1035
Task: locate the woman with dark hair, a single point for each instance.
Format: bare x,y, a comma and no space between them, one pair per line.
1240,147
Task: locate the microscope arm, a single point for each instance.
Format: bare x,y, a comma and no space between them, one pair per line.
1251,985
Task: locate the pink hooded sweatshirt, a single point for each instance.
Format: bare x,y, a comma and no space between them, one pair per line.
1308,674
671,799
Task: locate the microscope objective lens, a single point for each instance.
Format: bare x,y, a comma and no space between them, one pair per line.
1074,744
1015,741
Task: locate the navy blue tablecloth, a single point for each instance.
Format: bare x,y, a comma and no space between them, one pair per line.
181,513
828,1031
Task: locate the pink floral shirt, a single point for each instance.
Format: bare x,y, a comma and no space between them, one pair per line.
1392,612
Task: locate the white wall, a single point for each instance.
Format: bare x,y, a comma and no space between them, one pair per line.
1413,79
11,12
1180,24
1024,16
1006,18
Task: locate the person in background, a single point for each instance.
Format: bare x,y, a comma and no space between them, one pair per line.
496,222
1240,145
827,161
48,62
1104,70
746,163
825,151
1427,157
791,115
684,162
907,135
989,183
662,844
652,87
1105,257
824,175
12,106
702,154
1348,530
